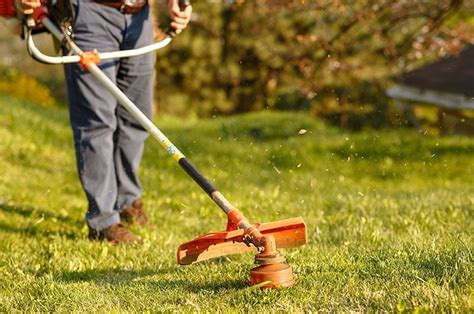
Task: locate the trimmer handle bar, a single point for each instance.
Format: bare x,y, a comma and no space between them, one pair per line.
52,28
41,18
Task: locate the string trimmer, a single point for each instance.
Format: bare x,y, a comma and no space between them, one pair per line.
240,236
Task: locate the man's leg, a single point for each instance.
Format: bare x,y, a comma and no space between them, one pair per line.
93,113
135,79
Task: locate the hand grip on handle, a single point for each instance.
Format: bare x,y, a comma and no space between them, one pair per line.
29,21
182,6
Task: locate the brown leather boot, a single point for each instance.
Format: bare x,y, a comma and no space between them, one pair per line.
116,234
135,214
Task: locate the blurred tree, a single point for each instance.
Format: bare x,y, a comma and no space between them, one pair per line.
330,56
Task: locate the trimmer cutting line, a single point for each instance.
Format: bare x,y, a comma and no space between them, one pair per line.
240,236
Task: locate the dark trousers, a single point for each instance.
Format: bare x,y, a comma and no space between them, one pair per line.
108,142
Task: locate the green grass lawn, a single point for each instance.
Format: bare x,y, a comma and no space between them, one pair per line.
390,218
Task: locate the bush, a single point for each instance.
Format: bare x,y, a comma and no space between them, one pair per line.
24,87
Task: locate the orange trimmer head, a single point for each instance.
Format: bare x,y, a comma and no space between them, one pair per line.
272,271
288,233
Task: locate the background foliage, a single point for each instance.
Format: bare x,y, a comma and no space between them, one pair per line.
25,87
331,57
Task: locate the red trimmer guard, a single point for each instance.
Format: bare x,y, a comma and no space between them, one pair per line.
288,233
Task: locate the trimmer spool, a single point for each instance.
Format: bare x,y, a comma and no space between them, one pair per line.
272,271
272,276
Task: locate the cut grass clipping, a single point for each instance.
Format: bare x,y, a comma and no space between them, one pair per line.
390,218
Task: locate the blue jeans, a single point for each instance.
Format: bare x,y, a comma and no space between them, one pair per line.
108,142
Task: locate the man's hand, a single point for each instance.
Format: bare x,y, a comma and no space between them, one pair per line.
26,6
179,19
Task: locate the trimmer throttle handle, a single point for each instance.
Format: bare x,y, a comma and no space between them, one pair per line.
182,6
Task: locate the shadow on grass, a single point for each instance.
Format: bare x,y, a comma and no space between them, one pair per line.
160,279
32,228
33,231
29,211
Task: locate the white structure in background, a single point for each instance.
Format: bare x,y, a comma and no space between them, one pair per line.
448,84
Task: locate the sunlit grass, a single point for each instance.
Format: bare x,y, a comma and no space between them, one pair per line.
390,216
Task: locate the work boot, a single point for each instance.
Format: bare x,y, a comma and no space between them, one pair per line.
135,214
116,234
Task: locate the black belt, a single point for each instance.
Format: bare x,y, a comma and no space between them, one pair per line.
123,6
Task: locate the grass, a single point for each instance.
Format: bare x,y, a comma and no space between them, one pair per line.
390,218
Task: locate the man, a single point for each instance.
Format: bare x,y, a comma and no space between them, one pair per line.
108,142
